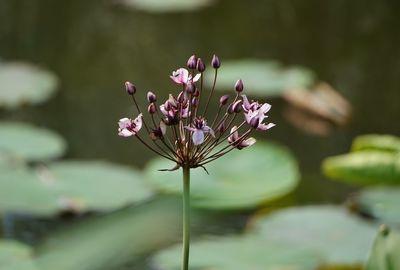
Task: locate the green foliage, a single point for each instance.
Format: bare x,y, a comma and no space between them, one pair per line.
364,167
387,143
23,83
15,256
385,254
381,203
104,242
160,6
340,238
241,179
238,253
25,141
261,78
77,186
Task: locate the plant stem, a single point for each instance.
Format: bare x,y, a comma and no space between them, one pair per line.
186,217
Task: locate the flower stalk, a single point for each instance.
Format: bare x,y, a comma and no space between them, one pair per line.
178,132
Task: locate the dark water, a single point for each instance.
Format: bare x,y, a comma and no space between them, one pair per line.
95,46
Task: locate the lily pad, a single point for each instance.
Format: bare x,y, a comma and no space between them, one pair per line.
342,239
262,78
15,256
381,203
239,180
107,241
385,254
29,142
160,6
23,83
76,186
364,167
238,253
387,143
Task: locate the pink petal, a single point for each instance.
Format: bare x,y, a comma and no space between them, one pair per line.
124,123
125,133
248,142
265,127
246,104
138,122
265,108
197,77
198,137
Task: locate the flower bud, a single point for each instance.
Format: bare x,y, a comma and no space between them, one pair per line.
221,127
192,62
237,106
215,62
195,102
223,100
196,93
181,97
151,97
190,87
151,108
239,86
167,105
130,88
230,109
200,65
254,122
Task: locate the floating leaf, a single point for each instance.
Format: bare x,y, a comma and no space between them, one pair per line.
29,142
387,143
241,179
364,167
23,83
262,78
385,254
342,239
381,203
159,6
15,256
238,253
77,186
107,241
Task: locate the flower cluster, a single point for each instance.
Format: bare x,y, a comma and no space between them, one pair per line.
177,129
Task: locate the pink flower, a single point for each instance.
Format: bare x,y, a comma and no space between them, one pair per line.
129,127
182,76
255,114
233,140
199,128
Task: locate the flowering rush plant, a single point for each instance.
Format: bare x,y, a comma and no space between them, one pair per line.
178,129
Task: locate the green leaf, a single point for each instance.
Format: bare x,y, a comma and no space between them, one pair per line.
15,256
387,143
107,241
261,78
364,167
77,186
29,142
23,83
160,6
385,254
241,179
381,203
342,239
238,253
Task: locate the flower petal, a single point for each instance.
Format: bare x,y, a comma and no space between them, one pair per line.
198,137
197,77
265,126
125,133
246,104
124,123
138,122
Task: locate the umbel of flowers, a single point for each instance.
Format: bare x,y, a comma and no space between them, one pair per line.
181,129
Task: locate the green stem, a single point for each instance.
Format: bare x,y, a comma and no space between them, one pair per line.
186,216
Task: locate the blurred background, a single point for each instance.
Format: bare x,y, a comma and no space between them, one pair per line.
82,52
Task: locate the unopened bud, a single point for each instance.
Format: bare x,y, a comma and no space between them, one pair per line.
254,122
190,87
239,86
196,93
200,65
216,63
237,106
230,109
181,97
130,88
223,100
195,102
151,108
151,97
221,127
192,62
